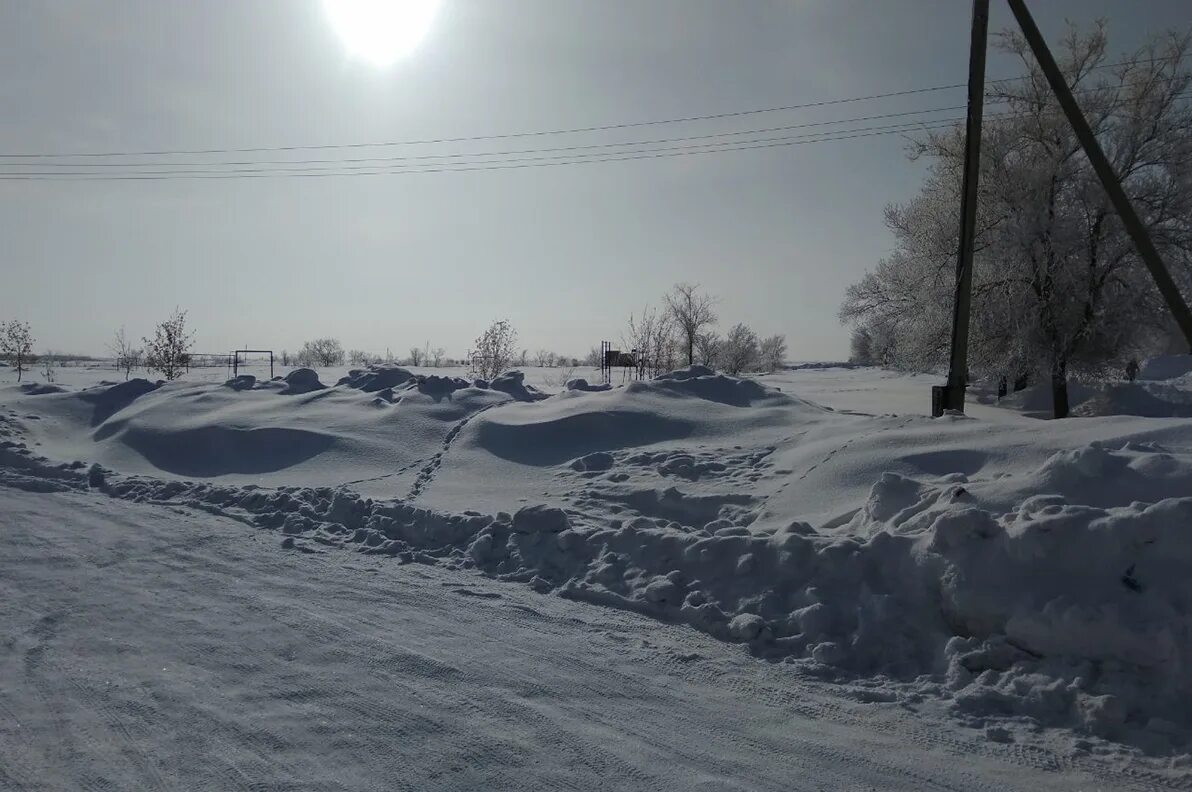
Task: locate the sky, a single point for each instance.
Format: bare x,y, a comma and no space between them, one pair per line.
566,253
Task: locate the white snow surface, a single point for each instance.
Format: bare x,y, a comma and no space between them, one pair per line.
1018,584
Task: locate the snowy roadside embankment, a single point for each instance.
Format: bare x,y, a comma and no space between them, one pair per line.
1059,594
1072,615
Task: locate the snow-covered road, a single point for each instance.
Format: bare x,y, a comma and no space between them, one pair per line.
152,647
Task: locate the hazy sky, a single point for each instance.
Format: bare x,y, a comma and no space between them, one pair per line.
565,253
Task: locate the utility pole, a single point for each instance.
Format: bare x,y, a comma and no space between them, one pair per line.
1109,180
951,395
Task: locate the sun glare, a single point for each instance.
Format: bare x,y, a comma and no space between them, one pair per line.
381,31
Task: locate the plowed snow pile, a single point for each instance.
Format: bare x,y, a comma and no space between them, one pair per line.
1032,574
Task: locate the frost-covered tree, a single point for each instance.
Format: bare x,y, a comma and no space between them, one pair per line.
436,356
494,349
740,350
321,352
861,346
772,352
691,312
169,349
415,356
1058,289
358,357
16,345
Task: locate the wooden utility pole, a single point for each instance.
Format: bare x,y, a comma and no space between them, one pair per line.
951,396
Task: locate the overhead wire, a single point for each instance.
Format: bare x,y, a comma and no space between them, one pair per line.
523,134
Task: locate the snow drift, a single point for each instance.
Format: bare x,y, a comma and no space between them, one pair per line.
974,562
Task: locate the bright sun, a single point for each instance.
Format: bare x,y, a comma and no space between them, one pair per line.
381,31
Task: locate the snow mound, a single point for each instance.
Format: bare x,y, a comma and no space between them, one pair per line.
40,388
703,383
241,382
559,437
513,383
301,381
1144,399
1166,367
580,384
377,377
107,400
436,386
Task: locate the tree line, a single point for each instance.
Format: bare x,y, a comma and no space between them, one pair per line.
682,331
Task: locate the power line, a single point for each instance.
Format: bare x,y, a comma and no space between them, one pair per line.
656,141
524,134
350,163
506,163
458,167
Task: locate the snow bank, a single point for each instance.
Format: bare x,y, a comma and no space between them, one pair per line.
1145,399
1166,367
1069,614
1057,592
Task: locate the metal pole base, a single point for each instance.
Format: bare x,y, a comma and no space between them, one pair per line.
946,397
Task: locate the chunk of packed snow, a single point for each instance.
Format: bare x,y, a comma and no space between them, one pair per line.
581,384
514,383
302,380
377,377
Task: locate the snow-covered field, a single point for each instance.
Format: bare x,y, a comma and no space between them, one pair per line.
695,582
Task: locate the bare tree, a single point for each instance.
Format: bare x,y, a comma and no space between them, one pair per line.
653,337
127,356
494,349
48,365
691,313
321,352
772,352
358,357
16,345
541,357
415,356
524,358
168,350
436,355
707,348
740,350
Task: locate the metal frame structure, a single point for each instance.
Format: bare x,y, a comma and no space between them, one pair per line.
614,358
951,395
236,359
